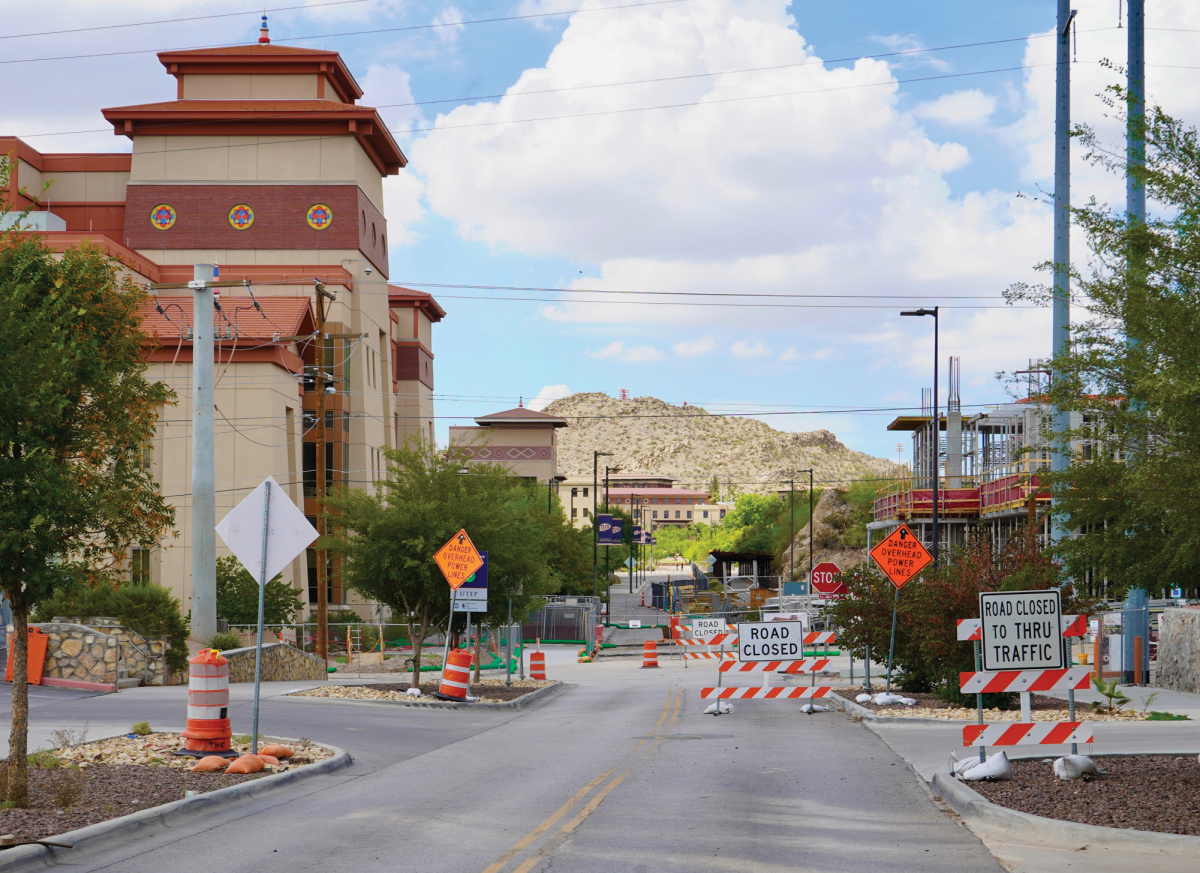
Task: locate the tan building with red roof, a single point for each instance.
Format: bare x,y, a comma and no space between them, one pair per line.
265,164
524,440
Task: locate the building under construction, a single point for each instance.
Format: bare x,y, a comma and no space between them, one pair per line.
988,467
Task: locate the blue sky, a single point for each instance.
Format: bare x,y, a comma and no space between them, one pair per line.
865,184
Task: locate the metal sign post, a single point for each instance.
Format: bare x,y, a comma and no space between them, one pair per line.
264,550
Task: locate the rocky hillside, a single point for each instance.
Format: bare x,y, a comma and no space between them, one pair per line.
647,435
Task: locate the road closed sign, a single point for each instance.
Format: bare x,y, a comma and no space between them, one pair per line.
770,640
707,627
1021,630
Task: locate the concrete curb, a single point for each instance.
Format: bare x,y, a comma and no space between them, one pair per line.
128,828
1055,833
520,703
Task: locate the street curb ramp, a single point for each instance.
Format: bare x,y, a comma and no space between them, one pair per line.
128,828
1054,833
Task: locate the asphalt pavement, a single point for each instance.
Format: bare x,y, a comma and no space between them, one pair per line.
620,771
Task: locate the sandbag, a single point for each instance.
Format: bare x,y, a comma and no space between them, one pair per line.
810,708
996,768
276,751
209,763
883,698
863,698
719,708
1074,767
269,760
246,764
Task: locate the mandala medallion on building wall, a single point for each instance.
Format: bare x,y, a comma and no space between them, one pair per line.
241,216
320,217
162,216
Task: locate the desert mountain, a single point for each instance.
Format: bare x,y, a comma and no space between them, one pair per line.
647,435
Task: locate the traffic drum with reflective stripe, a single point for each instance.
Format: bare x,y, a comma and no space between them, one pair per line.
456,677
208,729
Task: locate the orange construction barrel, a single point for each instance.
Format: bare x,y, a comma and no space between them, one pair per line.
456,677
537,665
649,654
208,728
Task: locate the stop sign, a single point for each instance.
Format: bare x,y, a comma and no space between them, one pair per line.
824,579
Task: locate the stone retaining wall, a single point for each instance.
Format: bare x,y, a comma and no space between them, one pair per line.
1179,650
78,652
139,658
280,663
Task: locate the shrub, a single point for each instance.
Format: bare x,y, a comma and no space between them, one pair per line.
146,608
66,788
142,729
237,596
43,759
224,641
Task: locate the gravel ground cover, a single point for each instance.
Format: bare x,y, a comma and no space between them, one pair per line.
1042,708
493,690
89,783
391,664
1143,792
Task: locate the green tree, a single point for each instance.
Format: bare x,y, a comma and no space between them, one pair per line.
237,596
714,488
1131,375
75,413
389,536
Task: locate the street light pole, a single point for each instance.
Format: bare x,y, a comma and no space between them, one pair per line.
937,425
595,537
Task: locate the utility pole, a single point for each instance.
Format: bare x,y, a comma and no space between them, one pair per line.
595,535
1061,325
320,385
1135,144
204,509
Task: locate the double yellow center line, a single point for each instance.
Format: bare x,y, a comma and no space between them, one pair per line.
672,706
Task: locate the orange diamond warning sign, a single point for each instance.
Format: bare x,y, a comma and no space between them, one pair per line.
458,559
901,556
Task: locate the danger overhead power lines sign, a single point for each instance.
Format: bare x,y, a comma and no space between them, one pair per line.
458,559
901,556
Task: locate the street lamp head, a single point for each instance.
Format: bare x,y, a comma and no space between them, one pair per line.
921,311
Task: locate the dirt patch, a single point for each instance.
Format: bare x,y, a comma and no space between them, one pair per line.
1043,709
104,791
391,664
1157,793
489,690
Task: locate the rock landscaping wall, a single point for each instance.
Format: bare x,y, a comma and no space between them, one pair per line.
280,663
139,658
1179,650
78,652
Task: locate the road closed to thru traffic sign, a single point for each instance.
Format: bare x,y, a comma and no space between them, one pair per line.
1022,630
770,641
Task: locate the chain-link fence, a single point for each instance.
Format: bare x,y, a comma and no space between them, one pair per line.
564,620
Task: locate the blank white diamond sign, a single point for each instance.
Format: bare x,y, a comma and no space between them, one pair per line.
288,534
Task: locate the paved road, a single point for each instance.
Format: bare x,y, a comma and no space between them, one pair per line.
619,772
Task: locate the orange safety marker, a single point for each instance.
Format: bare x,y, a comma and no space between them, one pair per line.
649,654
208,729
456,678
537,665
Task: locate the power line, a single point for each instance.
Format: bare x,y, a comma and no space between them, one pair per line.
249,12
369,32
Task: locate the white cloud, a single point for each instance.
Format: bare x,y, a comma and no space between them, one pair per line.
968,108
906,42
746,349
633,354
693,348
452,17
548,394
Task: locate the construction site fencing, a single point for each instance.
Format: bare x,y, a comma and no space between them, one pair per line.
564,620
343,638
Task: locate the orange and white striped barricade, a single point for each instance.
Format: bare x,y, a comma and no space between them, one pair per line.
649,654
1041,733
456,677
1072,679
537,665
208,731
972,628
807,665
766,693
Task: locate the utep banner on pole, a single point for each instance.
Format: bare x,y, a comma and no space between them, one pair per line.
608,530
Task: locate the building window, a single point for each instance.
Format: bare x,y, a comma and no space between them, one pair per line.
677,513
585,492
586,514
574,512
689,513
574,492
722,513
139,566
706,513
656,513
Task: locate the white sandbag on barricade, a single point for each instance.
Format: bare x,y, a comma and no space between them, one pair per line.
1074,767
996,768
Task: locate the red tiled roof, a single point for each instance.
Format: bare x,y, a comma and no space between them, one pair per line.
250,49
263,58
287,316
521,415
652,492
398,295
